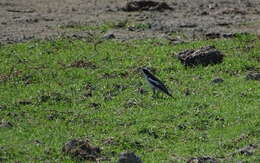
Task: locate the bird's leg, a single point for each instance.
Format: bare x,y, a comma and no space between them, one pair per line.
154,93
158,94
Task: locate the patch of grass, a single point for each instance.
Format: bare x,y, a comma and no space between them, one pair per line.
51,93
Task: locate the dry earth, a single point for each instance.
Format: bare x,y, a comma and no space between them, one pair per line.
40,19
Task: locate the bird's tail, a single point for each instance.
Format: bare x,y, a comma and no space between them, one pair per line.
169,94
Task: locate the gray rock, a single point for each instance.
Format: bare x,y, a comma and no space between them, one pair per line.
202,160
109,36
247,150
2,107
5,124
229,35
144,5
129,157
253,76
217,80
203,56
213,35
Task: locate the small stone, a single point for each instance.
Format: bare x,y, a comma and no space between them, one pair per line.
213,35
5,124
187,92
109,36
202,160
217,80
83,64
247,150
25,102
229,35
144,5
95,105
37,142
129,157
2,107
188,25
253,76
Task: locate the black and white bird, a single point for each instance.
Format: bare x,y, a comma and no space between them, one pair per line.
155,83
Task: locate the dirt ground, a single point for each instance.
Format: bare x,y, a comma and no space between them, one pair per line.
40,19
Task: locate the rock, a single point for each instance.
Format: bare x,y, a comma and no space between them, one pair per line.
129,157
223,24
203,56
5,124
203,13
187,92
253,76
21,10
213,35
83,64
188,25
81,149
143,5
174,41
202,160
109,36
25,102
232,11
217,80
94,105
228,35
141,91
2,107
248,150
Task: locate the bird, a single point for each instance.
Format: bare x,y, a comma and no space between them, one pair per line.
155,83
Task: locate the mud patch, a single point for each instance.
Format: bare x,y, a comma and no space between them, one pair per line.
142,5
214,35
52,97
129,157
248,150
95,105
203,56
82,150
202,160
83,64
131,103
25,102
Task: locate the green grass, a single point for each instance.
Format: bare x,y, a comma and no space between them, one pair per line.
207,122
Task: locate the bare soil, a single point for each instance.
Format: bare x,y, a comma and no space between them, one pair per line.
41,19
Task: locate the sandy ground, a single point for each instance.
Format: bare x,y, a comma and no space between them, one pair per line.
22,20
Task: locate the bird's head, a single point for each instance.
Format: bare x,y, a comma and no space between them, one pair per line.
145,70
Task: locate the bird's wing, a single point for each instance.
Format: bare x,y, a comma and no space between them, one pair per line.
157,83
